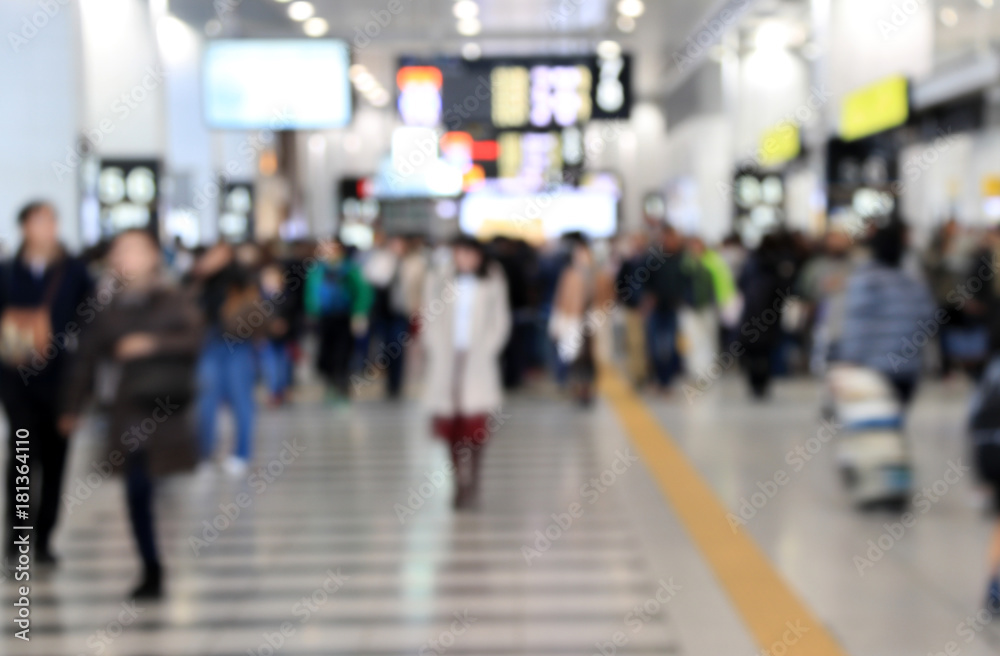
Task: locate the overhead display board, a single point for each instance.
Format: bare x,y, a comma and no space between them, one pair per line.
513,93
277,84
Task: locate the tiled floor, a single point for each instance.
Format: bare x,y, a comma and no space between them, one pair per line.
327,557
914,598
322,549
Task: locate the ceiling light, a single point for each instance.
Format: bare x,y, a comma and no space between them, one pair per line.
465,9
469,26
631,8
299,11
213,27
948,16
985,4
356,71
626,24
315,27
365,83
609,49
472,51
771,35
282,1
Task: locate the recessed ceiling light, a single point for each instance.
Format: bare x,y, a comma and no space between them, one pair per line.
948,16
472,51
985,4
300,11
609,49
625,24
631,8
465,9
356,71
469,26
316,27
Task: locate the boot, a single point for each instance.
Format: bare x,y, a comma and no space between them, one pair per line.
151,586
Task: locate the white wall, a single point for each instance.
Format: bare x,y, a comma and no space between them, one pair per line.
635,149
38,120
123,80
773,84
943,179
873,39
188,142
701,150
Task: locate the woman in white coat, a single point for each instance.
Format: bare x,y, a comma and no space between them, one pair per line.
466,323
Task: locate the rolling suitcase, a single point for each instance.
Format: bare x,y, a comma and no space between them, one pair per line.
872,454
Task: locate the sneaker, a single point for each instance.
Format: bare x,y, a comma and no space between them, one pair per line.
235,466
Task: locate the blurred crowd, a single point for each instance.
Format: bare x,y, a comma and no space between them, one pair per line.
161,338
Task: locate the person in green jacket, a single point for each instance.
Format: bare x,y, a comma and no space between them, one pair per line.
338,299
724,284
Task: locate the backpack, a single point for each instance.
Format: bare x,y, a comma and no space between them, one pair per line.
334,291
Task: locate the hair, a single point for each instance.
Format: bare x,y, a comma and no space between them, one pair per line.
467,241
141,232
888,243
576,238
29,209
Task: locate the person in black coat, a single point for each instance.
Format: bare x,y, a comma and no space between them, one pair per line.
766,284
41,276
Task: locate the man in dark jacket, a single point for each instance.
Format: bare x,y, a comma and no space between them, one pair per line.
41,276
665,292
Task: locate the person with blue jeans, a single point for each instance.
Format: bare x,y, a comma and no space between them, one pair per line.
664,293
226,371
226,374
273,352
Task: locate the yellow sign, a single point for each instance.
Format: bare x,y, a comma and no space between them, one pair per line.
875,108
780,144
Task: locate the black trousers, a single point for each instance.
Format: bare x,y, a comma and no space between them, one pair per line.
336,344
139,495
36,412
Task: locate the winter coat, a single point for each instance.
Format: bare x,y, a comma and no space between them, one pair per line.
480,380
161,424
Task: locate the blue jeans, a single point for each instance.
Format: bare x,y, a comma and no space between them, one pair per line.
226,374
275,366
661,338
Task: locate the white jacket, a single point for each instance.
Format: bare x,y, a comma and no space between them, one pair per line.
481,388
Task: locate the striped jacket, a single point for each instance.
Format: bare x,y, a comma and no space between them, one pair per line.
888,319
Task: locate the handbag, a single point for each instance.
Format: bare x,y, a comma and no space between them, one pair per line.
26,331
567,333
236,313
147,380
